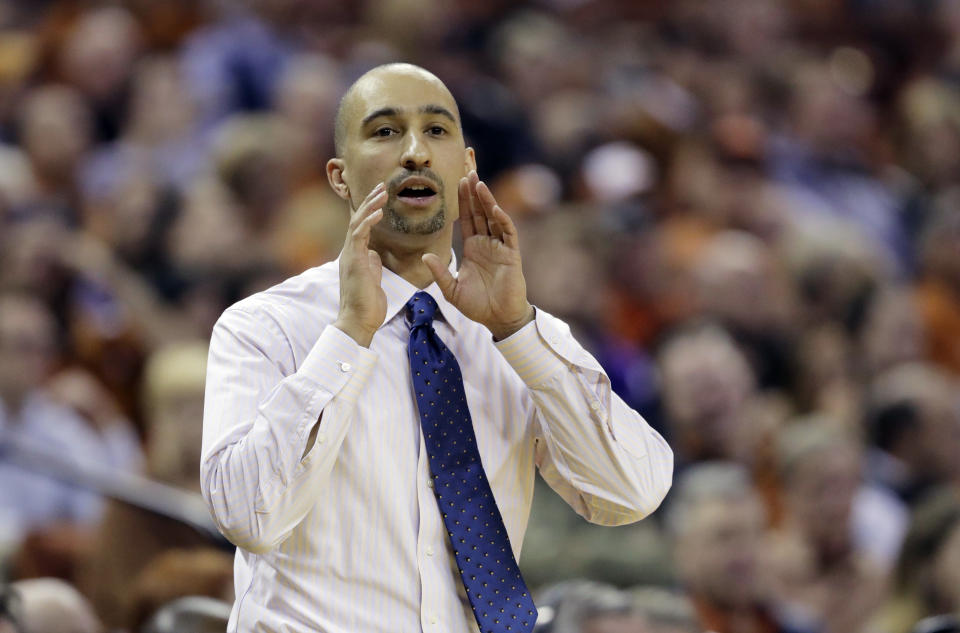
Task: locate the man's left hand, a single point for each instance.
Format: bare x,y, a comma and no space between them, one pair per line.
489,288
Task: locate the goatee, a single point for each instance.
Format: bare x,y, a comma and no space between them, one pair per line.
402,224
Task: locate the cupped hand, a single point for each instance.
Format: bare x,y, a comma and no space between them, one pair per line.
489,287
363,304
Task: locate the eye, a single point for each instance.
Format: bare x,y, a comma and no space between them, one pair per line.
437,130
384,131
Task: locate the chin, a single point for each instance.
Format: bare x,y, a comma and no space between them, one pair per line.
403,223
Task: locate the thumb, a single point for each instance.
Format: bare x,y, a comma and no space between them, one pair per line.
440,274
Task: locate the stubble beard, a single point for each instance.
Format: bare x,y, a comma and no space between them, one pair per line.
402,224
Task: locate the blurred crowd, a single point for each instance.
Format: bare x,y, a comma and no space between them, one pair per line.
748,210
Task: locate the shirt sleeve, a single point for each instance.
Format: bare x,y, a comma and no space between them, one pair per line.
258,475
596,452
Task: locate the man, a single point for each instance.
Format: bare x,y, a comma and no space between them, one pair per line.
323,455
34,424
828,553
717,523
915,427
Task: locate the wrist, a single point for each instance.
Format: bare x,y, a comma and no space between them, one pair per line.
354,330
505,330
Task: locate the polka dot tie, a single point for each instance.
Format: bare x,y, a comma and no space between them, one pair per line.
500,600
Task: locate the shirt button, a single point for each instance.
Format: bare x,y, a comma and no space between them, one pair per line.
433,619
429,483
321,437
429,550
345,367
554,340
595,405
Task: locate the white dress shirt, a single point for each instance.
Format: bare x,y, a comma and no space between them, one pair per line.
345,535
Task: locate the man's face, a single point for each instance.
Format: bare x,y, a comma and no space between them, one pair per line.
718,554
707,385
820,494
401,127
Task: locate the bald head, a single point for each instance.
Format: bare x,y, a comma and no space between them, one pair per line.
395,124
347,111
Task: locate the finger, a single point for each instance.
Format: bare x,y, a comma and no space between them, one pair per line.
441,275
485,196
487,204
466,215
373,201
381,186
495,229
361,234
507,228
479,220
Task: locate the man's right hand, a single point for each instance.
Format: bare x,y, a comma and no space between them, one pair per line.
363,304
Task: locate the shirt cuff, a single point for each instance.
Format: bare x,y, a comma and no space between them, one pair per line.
530,350
338,364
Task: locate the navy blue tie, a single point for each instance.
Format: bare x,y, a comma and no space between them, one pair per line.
500,600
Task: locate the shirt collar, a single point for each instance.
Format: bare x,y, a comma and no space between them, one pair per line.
399,291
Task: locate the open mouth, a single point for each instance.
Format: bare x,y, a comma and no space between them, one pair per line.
417,194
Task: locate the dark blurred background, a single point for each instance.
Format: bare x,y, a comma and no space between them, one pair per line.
748,210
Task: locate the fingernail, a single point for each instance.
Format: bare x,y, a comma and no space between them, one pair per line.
380,186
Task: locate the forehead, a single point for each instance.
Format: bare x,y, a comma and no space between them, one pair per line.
406,90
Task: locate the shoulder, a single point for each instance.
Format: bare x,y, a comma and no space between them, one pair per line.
310,297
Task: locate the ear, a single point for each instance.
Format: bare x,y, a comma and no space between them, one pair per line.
335,172
469,161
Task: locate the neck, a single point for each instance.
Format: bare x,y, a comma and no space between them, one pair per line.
406,260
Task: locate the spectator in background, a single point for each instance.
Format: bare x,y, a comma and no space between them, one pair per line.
707,385
891,333
938,293
97,57
55,131
130,538
717,524
915,430
839,536
741,285
37,432
926,581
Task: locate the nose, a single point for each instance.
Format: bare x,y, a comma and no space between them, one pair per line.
416,152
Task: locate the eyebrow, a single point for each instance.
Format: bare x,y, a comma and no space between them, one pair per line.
426,109
437,109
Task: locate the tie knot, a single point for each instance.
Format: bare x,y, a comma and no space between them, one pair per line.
421,309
